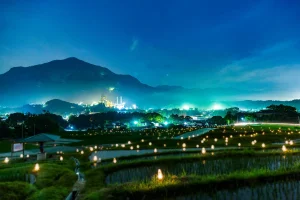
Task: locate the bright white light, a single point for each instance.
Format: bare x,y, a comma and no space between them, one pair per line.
134,106
217,106
185,107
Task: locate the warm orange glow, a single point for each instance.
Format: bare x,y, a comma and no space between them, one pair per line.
36,167
6,160
95,159
284,149
159,175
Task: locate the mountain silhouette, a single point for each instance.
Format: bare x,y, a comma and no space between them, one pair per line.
70,79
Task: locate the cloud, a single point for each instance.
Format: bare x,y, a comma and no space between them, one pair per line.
134,44
277,64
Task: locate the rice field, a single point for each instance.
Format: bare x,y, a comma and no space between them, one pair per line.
270,191
203,167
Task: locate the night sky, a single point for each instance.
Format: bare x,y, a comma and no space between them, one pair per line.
251,45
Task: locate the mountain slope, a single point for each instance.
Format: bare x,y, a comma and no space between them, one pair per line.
70,79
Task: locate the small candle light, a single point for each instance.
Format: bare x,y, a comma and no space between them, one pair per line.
36,167
159,175
6,160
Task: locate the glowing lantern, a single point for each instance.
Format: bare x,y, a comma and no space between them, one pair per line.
212,147
263,145
95,159
155,150
197,145
61,158
165,145
6,160
21,156
115,160
36,167
131,148
159,175
183,145
137,146
77,150
27,156
284,148
291,142
150,143
203,150
216,139
239,144
81,152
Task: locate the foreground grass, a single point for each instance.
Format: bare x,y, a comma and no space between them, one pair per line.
53,181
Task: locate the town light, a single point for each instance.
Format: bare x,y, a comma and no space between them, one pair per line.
159,175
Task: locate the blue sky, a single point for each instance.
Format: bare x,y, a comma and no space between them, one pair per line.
251,45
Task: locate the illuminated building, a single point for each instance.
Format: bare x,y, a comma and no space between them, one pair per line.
119,104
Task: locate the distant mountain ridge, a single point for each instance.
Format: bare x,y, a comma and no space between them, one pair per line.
70,79
74,80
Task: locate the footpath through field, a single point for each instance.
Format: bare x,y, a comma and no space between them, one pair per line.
195,133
